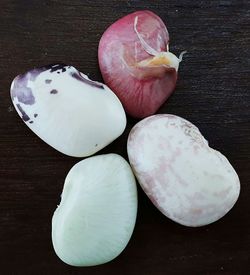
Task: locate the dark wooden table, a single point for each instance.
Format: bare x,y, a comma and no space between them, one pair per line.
212,92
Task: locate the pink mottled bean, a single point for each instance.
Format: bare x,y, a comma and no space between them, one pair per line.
189,182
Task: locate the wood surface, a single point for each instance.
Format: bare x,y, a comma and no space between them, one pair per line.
212,92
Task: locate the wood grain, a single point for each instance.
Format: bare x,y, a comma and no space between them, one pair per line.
212,92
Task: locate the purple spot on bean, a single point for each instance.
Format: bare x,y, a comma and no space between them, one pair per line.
53,91
77,76
20,88
21,91
56,67
31,121
35,115
25,117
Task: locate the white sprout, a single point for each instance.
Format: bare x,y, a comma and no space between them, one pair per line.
181,55
145,45
148,48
